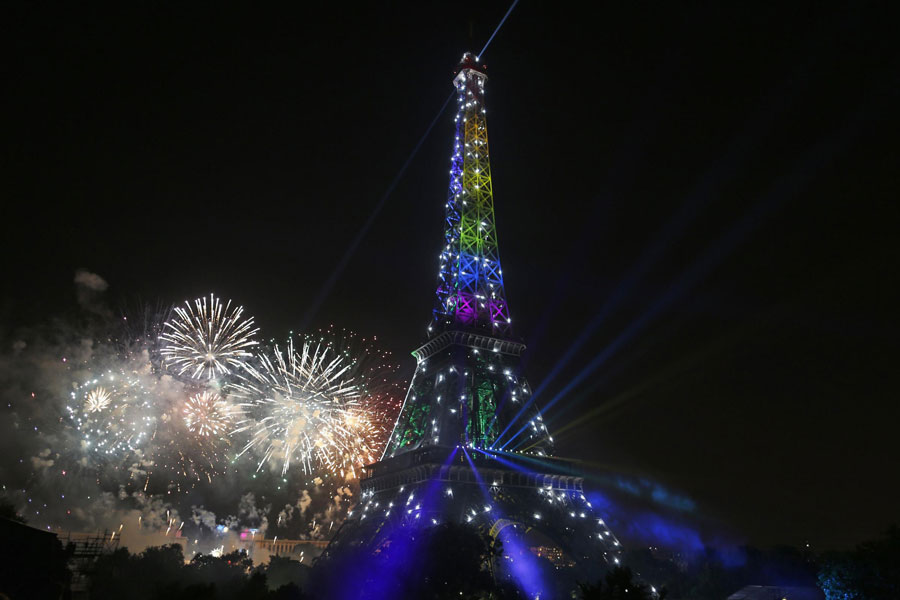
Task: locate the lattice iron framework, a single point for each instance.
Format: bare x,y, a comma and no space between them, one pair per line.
467,387
470,281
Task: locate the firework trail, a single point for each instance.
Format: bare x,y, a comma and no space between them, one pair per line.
207,340
325,405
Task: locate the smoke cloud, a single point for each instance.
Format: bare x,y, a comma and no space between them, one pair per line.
91,281
57,479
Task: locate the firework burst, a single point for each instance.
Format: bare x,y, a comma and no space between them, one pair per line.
113,413
151,427
322,404
208,339
195,439
97,399
207,415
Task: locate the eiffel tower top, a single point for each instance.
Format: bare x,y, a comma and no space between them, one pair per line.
470,295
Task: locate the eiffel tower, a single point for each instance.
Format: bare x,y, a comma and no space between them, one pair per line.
451,456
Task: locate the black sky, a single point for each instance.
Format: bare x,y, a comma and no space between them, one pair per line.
727,176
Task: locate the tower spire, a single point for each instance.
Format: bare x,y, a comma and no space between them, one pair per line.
470,294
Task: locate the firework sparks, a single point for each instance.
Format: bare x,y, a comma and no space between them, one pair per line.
151,428
313,405
208,339
115,417
206,414
319,405
97,399
193,436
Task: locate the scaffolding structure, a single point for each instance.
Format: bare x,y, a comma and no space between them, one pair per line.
85,549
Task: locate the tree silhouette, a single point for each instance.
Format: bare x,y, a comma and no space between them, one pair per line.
619,584
441,562
284,571
870,572
160,573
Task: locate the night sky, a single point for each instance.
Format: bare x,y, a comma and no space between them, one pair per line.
706,194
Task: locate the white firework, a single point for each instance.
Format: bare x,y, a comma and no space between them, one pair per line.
207,415
116,416
207,340
97,399
305,407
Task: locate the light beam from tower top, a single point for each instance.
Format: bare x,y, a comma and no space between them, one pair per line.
470,293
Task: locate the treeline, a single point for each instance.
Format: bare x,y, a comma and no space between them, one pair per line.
161,573
871,571
451,561
448,561
711,574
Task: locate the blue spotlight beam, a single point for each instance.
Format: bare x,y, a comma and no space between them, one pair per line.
525,572
682,365
621,171
786,187
777,102
484,490
540,466
706,188
434,484
502,21
503,461
325,290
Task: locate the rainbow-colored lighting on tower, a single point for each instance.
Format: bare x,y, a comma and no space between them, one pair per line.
470,289
467,387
